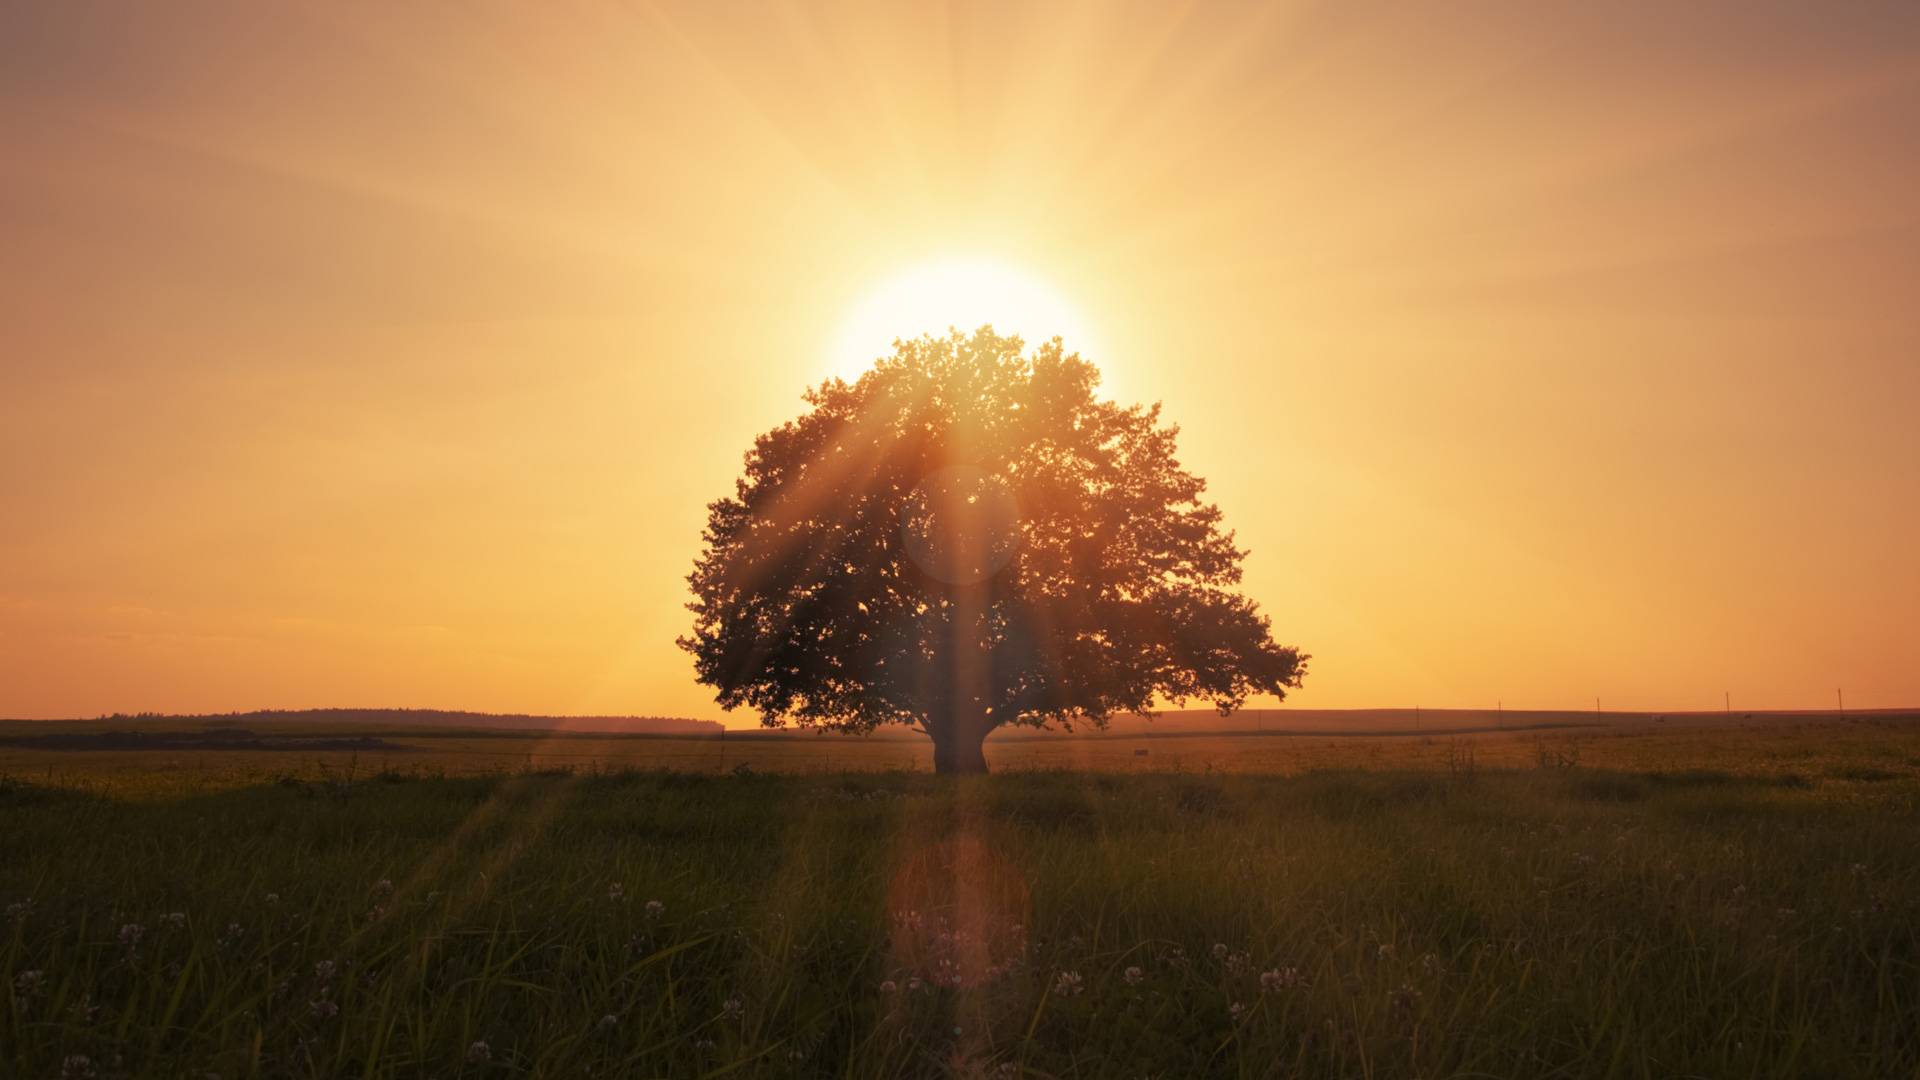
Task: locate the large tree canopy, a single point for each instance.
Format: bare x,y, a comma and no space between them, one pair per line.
967,537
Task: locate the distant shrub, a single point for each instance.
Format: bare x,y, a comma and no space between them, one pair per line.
1864,773
1611,787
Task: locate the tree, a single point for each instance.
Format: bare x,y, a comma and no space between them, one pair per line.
967,537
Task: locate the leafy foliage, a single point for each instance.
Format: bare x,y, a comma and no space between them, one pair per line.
968,537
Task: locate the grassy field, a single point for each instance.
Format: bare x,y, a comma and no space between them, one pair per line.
1653,900
1194,743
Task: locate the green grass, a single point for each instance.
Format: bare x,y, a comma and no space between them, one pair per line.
1527,923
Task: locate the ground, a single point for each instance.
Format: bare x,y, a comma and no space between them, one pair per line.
1648,899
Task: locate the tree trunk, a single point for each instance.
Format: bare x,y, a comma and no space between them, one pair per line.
959,744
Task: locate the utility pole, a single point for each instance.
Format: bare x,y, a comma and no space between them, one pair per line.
1596,708
1841,697
1728,694
1500,714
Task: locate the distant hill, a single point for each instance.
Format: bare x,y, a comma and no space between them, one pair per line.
1296,721
426,718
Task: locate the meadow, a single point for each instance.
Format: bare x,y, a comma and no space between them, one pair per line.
1647,900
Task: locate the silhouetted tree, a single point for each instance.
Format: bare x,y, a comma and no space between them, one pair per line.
967,537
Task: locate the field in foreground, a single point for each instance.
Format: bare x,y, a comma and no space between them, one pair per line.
1754,919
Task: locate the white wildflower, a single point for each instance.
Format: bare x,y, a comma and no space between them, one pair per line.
1281,978
1405,999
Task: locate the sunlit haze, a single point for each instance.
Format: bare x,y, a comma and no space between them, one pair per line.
360,355
964,293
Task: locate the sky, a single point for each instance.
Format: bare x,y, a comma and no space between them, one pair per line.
387,355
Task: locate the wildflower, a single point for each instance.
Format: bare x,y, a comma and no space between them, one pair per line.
1384,952
703,1044
30,983
1234,1010
1859,870
273,898
383,887
913,984
232,935
323,1007
1404,1000
174,920
888,987
479,1053
84,1010
1133,976
1282,978
19,909
1739,890
324,970
76,1067
1785,913
655,909
732,1009
616,891
1430,963
1239,962
1219,951
1067,983
131,933
608,1023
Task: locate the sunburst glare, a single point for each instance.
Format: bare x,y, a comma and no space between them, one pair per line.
963,292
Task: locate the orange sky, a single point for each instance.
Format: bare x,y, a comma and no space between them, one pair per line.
369,355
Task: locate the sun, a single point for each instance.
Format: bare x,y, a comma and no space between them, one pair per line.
964,293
